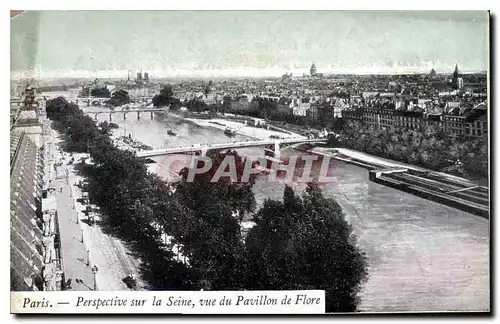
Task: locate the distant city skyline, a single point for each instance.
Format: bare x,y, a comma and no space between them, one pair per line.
246,43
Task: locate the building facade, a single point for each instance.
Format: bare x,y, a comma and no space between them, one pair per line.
34,261
472,124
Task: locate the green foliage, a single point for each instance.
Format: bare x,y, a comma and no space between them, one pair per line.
70,120
101,92
430,147
210,230
119,98
306,243
166,98
96,92
238,194
197,105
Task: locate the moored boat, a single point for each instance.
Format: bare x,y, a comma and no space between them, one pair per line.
229,132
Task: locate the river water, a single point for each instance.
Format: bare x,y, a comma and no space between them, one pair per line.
422,256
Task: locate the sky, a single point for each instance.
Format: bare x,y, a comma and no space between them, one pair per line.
246,43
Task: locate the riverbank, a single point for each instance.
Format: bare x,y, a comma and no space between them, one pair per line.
382,162
446,189
243,129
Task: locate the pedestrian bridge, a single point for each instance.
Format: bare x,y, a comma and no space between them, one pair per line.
270,145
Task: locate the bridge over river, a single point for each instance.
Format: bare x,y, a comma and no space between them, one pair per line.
98,101
139,110
271,145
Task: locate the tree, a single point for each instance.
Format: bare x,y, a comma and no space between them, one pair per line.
165,97
238,195
101,92
208,224
119,98
105,128
429,147
306,243
197,105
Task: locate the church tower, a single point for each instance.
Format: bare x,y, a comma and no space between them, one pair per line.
455,73
313,70
455,77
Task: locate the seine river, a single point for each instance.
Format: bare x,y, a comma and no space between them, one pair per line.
423,256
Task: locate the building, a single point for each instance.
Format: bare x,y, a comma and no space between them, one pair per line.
454,125
477,127
433,120
313,70
378,118
475,87
110,87
35,256
253,121
241,103
460,83
327,112
452,107
432,74
301,107
27,117
353,114
455,76
285,106
29,97
408,119
476,121
313,113
139,77
35,264
213,98
471,123
146,77
339,105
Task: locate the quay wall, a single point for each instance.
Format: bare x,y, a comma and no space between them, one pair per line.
375,175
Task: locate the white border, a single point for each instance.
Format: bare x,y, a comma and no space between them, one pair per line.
203,5
253,5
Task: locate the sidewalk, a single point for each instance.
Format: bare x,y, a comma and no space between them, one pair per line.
108,253
73,250
111,256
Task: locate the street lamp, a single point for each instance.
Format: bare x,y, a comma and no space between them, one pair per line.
95,269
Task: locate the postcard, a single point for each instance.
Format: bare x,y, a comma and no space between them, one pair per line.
249,162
